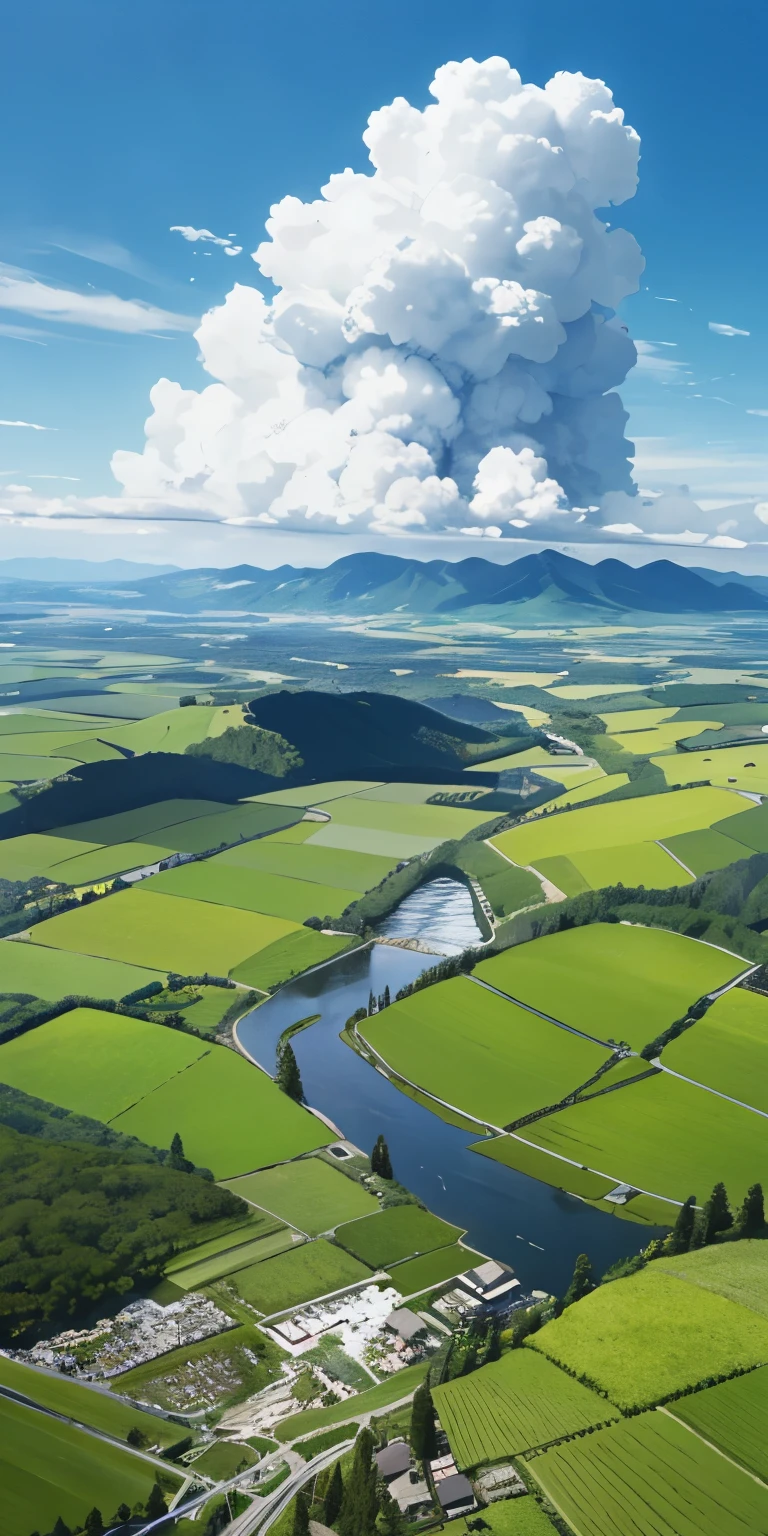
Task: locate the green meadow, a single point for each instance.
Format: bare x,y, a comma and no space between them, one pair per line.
322,866
204,1271
611,980
480,1052
703,851
162,932
738,1271
104,863
618,824
728,1048
55,973
357,838
401,1232
100,1410
309,1194
733,1416
438,821
307,1271
630,864
253,891
287,956
430,1269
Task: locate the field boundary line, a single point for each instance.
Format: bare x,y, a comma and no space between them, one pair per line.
529,1008
653,1193
557,894
12,1396
706,1089
660,844
547,1495
392,1073
711,1445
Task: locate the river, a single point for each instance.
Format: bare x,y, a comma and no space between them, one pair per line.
536,1229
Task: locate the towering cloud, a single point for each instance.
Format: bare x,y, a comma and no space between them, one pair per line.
443,349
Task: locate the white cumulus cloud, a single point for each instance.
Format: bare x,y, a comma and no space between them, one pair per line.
725,330
188,232
442,351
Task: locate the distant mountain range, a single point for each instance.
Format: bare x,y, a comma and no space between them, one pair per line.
49,569
544,588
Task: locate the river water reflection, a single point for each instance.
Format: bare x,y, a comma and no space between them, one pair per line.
538,1230
440,913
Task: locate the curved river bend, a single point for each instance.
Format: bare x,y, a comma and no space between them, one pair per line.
536,1229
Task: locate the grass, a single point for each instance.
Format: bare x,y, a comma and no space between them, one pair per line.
223,1460
162,932
507,887
323,1442
417,1275
517,1517
401,1232
373,840
318,794
34,852
231,825
140,824
212,1003
312,1270
611,980
206,1270
402,1384
518,1154
309,1194
256,1224
171,731
632,864
520,1402
288,956
721,765
430,821
55,973
253,890
212,1373
619,720
21,768
97,1409
117,859
733,1416
641,1339
661,737
652,1477
564,874
592,789
95,1063
664,1136
738,1271
229,1114
703,851
478,1051
618,824
48,1468
728,1048
750,830
301,861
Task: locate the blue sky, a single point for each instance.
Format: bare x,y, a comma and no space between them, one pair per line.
121,121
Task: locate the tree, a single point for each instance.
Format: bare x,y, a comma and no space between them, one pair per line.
582,1283
288,1075
136,1437
682,1232
334,1495
371,1003
121,1516
177,1160
301,1515
94,1525
360,1506
387,998
156,1505
717,1214
60,1529
752,1213
389,1521
381,1162
423,1437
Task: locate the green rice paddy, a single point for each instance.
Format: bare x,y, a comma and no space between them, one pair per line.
520,1402
479,1052
738,1271
728,1048
643,1338
308,1271
732,1416
430,1269
653,1477
611,980
253,891
55,973
309,1194
401,1232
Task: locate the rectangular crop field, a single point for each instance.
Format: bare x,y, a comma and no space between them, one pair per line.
733,1416
301,861
401,1232
630,864
703,851
255,1224
219,1264
744,767
431,821
34,852
370,840
402,1385
517,1517
728,1048
610,980
231,825
664,1136
430,1269
55,973
520,1402
163,932
317,794
480,1053
514,1152
738,1271
21,768
98,1409
651,1477
229,1114
619,823
296,951
49,1468
140,824
642,1338
751,830
309,1194
311,1270
102,863
253,891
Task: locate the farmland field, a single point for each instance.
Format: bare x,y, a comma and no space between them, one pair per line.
633,864
430,1269
664,1136
479,1052
49,1468
162,932
253,891
20,767
651,1477
370,840
591,789
706,850
733,1416
55,973
728,1048
619,823
33,852
230,1116
517,1517
610,980
230,825
310,1194
430,821
563,873
399,1233
203,1271
285,957
318,794
301,861
401,1385
721,765
255,1224
138,825
519,1154
645,1337
98,1409
738,1271
751,830
310,1270
101,863
519,1402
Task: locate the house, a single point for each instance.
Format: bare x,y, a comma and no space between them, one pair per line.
393,1460
455,1495
407,1324
488,1282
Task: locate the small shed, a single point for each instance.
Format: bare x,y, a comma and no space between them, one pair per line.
405,1323
455,1494
393,1460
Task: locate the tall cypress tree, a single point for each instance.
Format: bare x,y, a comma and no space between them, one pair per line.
385,1161
301,1515
359,1505
288,1076
582,1283
717,1214
752,1213
334,1495
60,1529
423,1435
682,1232
156,1505
389,1521
94,1525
